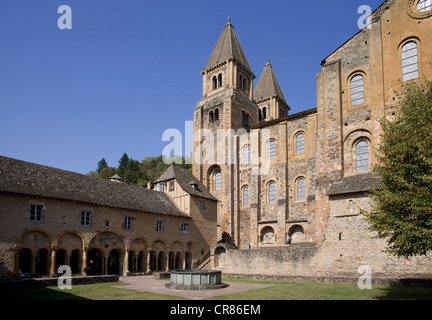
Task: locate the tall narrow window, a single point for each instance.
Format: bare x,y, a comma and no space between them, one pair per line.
211,116
351,206
300,143
357,90
128,223
271,149
85,218
245,197
159,227
218,181
246,155
216,115
35,213
215,85
272,193
301,189
424,5
362,156
219,80
409,61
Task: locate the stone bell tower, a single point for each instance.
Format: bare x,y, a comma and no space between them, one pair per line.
226,107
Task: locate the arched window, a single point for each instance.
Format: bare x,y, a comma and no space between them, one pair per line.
245,196
357,90
219,81
216,115
351,206
271,193
301,189
300,143
362,156
409,61
271,149
214,80
218,180
424,5
211,116
246,155
264,113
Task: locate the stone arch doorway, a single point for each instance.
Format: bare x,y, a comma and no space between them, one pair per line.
297,233
114,262
42,263
94,262
219,257
60,258
75,261
25,260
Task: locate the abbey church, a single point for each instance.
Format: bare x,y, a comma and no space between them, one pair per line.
306,175
260,174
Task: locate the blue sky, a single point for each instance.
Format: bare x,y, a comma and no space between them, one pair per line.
130,69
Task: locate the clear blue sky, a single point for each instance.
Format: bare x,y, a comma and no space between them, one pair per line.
130,69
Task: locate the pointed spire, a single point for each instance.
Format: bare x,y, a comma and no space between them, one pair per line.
228,47
268,85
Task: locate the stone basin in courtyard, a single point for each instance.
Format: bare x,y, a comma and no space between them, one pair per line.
196,280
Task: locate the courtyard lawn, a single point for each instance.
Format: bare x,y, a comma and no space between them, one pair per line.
276,291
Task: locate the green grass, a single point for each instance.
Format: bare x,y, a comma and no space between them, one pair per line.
276,291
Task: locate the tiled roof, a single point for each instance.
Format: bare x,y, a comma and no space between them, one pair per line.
228,47
186,180
37,180
268,85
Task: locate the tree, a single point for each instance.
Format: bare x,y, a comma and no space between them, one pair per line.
402,210
123,162
101,164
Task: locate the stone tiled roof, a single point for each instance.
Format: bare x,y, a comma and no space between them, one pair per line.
228,47
357,183
186,180
37,180
268,85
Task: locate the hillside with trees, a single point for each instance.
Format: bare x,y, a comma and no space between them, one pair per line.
136,172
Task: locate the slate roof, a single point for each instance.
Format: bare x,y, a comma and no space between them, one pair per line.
228,47
186,180
268,85
37,180
357,183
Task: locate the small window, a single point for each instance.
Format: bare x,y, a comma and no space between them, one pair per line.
171,185
218,181
409,61
219,80
203,206
216,115
211,116
272,193
271,146
424,5
245,197
85,218
128,223
36,213
184,228
362,156
159,227
357,90
301,189
160,186
351,206
300,143
246,155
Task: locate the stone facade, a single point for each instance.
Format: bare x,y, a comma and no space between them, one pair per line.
313,187
99,227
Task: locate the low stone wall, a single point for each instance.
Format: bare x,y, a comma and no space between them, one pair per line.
45,282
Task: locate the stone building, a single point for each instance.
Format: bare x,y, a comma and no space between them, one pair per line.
306,174
51,217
